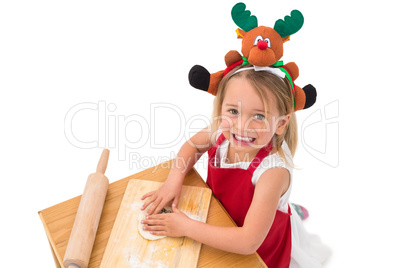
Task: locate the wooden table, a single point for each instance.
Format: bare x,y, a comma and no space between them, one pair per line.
58,221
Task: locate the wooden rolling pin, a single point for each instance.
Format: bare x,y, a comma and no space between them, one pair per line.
86,222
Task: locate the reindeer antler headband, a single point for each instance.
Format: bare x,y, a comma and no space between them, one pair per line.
262,47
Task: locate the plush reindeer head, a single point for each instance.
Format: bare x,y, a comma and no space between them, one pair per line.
263,46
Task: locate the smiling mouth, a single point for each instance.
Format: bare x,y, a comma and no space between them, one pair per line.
243,139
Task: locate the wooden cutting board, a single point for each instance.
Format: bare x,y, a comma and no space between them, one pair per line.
127,248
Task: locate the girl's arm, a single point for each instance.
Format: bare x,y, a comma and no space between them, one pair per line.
187,156
242,240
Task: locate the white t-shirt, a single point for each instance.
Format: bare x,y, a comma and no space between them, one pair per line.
270,161
307,249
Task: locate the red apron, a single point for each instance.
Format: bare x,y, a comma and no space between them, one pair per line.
234,189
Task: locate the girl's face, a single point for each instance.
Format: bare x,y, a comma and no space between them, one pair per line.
244,121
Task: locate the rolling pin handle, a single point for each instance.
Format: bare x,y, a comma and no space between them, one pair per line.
102,164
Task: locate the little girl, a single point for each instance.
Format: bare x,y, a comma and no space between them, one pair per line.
250,145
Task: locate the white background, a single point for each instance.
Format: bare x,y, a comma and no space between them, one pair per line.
125,58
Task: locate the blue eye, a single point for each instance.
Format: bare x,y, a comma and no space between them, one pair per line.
233,111
259,117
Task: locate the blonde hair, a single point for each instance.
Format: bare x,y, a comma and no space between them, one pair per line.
261,82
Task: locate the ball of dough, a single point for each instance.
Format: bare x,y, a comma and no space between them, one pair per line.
147,234
143,233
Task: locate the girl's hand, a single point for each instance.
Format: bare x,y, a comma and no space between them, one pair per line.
167,224
159,198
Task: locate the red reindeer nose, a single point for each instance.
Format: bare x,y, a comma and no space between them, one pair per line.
262,45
